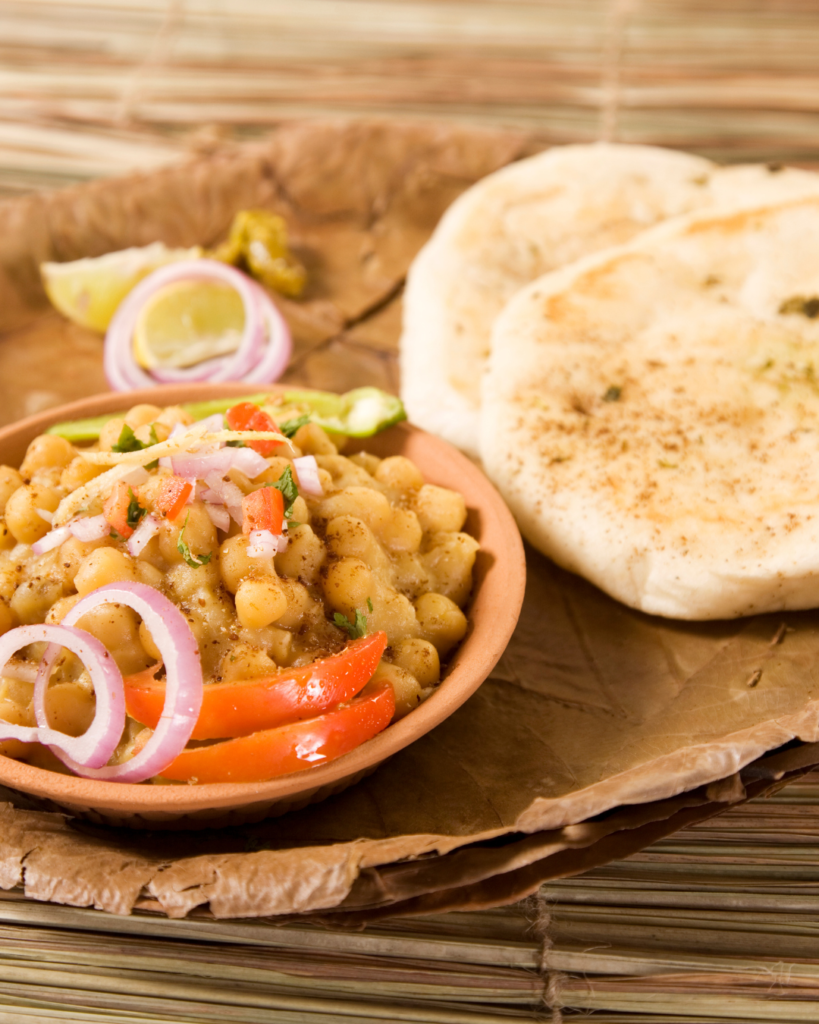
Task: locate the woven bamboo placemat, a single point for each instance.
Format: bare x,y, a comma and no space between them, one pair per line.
90,88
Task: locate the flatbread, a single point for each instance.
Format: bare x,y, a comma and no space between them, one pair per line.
524,221
651,414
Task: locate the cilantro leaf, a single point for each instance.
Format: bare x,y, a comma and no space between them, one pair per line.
128,441
135,510
287,485
194,561
355,629
613,393
291,426
369,604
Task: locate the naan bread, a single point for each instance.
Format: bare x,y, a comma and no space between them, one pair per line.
651,414
528,219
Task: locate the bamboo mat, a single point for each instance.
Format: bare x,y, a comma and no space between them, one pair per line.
717,923
99,87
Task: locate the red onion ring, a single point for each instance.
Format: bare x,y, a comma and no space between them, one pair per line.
99,741
253,360
183,688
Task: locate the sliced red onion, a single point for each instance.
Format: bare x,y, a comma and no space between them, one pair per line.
219,516
249,462
262,544
262,353
53,539
183,686
99,741
43,513
282,543
90,528
177,429
307,472
148,528
165,462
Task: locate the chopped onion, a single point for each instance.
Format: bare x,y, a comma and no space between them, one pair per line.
198,464
307,472
53,539
261,356
43,513
148,528
249,462
183,686
99,741
90,528
213,423
227,492
219,516
262,544
137,476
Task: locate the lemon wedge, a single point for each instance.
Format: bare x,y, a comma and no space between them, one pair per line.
88,291
186,323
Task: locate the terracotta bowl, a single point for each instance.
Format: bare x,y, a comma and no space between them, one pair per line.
493,612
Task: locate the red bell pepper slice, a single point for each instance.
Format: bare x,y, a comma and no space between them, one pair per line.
247,416
173,495
248,705
263,510
289,748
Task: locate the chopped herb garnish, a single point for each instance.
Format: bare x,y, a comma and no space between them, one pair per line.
287,485
235,444
369,604
356,629
128,441
291,426
613,393
194,561
135,510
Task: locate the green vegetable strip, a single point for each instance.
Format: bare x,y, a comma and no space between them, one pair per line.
360,413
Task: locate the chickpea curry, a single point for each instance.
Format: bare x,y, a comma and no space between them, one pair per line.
268,602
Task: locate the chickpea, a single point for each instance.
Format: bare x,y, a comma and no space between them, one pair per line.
21,514
58,611
79,472
8,620
260,601
73,552
439,508
348,583
449,562
366,461
110,433
244,661
105,565
313,441
362,502
303,557
277,464
141,415
419,658
236,564
32,599
402,531
300,605
350,537
47,452
399,474
115,626
69,708
200,533
174,414
442,622
6,538
405,687
10,480
152,433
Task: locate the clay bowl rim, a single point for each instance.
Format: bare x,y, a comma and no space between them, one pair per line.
493,613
